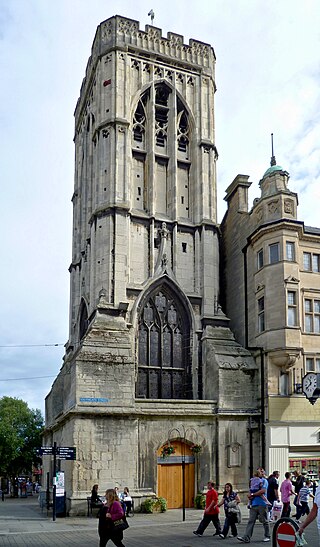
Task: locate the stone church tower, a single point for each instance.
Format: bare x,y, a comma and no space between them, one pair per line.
150,357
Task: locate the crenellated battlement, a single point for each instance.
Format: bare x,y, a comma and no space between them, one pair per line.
120,32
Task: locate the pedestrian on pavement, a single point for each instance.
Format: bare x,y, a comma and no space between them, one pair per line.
230,499
126,499
110,512
303,500
273,489
258,509
313,514
297,483
211,512
286,490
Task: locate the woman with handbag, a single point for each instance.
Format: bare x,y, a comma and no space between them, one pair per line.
111,521
230,501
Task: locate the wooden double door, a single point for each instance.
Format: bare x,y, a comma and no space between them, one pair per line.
170,476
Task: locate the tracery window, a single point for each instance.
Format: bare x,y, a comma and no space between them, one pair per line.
160,136
182,128
163,349
139,123
161,116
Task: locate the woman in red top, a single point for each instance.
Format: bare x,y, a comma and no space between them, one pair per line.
108,514
211,512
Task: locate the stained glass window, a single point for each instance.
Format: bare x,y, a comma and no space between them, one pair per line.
164,370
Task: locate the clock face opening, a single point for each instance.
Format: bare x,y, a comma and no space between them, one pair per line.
309,384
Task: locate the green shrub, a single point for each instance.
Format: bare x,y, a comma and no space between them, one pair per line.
160,504
151,504
200,501
148,505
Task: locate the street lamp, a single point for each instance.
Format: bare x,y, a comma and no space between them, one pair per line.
183,437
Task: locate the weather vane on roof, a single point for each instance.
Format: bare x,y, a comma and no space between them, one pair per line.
151,14
273,158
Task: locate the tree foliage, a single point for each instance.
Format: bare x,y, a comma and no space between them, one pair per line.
20,435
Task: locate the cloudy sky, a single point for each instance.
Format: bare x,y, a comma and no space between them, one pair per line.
267,75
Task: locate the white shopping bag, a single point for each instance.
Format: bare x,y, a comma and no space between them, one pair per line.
276,510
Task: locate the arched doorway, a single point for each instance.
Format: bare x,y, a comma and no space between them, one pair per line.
170,482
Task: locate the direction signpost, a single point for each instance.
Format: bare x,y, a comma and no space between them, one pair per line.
46,451
63,453
66,453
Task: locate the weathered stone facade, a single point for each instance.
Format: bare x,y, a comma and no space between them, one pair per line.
150,355
271,274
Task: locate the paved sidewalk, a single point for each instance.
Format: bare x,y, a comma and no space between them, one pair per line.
23,525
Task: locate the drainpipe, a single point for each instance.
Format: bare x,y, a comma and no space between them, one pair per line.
262,371
217,478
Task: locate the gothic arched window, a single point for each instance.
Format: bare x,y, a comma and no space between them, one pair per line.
161,152
83,320
164,370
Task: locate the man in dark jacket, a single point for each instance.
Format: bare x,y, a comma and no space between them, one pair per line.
273,487
298,482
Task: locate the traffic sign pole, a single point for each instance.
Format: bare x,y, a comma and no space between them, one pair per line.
54,487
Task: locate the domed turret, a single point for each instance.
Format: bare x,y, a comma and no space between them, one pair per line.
275,179
276,200
272,170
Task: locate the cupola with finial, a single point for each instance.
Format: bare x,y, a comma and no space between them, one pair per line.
276,200
275,179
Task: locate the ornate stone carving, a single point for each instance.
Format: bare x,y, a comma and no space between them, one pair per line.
158,72
135,64
273,206
200,49
292,279
164,233
284,359
127,27
175,40
106,32
288,206
154,33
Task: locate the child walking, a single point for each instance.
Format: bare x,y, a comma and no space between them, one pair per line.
303,500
